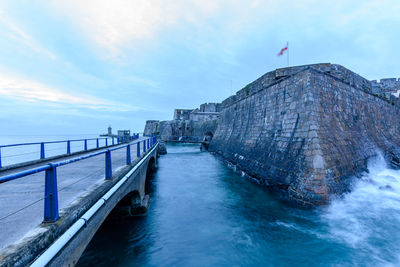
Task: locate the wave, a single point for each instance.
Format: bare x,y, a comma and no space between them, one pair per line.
368,218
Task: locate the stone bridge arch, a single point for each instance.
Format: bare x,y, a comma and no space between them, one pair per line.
137,201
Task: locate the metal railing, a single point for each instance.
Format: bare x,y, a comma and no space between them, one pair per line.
42,153
50,169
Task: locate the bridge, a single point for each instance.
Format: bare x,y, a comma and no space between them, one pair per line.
51,207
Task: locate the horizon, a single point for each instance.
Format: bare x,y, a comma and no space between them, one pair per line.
70,67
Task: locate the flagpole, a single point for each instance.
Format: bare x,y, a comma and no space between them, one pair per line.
287,45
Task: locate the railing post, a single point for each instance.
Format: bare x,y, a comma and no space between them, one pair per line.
97,142
42,155
108,166
148,143
51,195
0,157
138,149
128,155
106,141
68,147
85,144
144,145
113,140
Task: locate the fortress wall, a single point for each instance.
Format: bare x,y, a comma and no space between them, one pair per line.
269,133
353,123
201,128
387,87
151,127
274,77
307,133
210,107
188,125
178,130
203,116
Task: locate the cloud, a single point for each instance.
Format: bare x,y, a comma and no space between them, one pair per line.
112,24
14,31
118,24
23,89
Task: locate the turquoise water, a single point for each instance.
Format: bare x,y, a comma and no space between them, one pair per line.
204,214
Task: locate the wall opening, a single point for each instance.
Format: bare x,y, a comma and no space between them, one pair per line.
151,169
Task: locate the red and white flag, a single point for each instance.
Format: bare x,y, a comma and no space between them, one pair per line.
283,50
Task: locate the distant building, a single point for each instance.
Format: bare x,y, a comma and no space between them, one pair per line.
109,133
124,136
182,114
190,125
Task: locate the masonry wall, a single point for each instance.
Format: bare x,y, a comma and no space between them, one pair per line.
151,127
179,130
268,133
307,132
353,124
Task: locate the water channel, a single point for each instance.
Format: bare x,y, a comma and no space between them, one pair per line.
202,213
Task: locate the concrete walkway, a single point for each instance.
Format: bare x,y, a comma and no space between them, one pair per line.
21,200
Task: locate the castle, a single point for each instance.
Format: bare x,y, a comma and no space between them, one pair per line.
304,131
188,125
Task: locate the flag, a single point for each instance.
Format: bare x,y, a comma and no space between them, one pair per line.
283,51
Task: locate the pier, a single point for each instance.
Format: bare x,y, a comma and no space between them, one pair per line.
50,208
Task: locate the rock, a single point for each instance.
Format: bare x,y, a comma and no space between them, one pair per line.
206,141
162,149
142,207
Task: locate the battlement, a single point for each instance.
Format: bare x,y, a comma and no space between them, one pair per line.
388,85
385,88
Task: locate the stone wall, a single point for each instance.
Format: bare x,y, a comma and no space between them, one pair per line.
388,88
306,130
177,130
210,107
382,89
151,127
387,85
188,125
182,114
203,116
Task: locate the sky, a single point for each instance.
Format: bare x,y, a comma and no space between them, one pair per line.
76,67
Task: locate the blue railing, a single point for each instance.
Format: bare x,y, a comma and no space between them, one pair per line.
51,192
42,153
